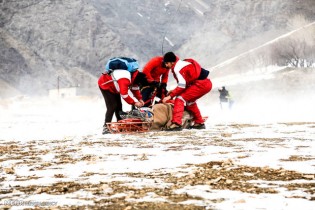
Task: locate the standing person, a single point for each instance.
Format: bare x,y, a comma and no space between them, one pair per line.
225,97
224,94
120,84
157,76
192,84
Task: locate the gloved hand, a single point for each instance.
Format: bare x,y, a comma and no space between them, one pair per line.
162,90
163,86
154,84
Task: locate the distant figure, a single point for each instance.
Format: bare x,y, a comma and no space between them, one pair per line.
225,97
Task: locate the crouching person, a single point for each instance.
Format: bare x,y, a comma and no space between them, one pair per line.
192,84
120,84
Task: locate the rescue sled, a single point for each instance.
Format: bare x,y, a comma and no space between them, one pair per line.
142,120
136,121
130,125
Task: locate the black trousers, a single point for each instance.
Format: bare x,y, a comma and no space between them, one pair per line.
146,95
113,105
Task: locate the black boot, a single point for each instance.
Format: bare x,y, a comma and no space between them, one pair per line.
105,130
198,126
174,127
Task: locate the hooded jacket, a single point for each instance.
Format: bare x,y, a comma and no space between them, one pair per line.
155,71
185,72
121,82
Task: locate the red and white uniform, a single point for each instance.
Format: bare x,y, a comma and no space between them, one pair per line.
120,82
189,89
155,71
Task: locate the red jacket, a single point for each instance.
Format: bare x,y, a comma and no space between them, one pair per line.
154,70
185,72
120,82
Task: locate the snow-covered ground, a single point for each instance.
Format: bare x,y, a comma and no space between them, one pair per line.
52,151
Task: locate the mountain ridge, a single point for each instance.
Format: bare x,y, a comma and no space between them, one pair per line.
43,40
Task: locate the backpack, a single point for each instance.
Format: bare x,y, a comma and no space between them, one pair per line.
124,63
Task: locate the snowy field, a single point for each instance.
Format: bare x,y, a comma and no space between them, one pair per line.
53,156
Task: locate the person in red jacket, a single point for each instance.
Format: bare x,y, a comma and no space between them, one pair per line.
192,84
120,84
157,76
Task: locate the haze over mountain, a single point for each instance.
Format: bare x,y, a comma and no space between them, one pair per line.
42,41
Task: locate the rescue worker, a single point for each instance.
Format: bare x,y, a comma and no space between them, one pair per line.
120,84
192,84
157,76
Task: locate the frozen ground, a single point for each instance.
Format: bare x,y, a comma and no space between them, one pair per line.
53,156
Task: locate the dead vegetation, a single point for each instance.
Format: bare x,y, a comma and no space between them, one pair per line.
166,189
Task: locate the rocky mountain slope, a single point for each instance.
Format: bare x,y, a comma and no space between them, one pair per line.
42,40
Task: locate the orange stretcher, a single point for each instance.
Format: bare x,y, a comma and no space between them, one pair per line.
130,125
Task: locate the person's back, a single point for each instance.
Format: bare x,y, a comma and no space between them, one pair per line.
224,94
